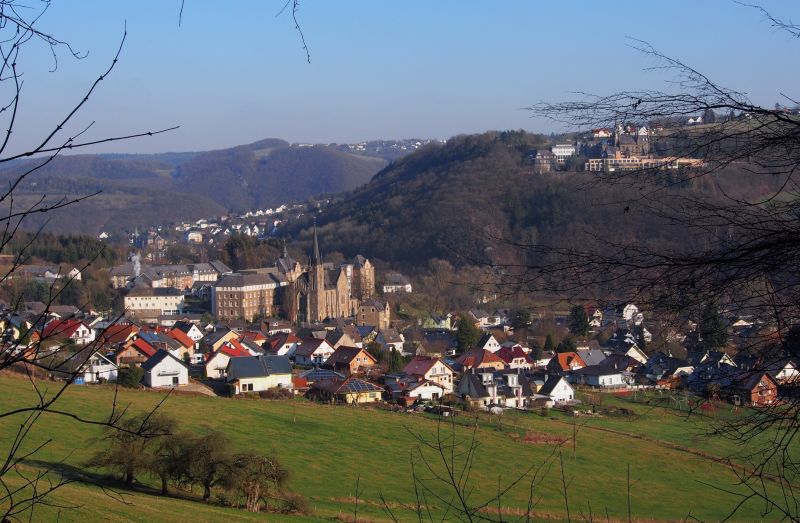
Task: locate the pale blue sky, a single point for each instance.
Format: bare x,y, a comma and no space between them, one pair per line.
233,73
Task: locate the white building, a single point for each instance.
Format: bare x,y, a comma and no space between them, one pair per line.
145,302
164,370
562,151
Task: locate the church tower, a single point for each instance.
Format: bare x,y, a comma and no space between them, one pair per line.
316,284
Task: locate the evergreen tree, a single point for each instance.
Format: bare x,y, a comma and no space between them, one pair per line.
467,335
712,329
549,346
567,345
578,321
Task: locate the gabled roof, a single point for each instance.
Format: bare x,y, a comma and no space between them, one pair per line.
319,374
145,348
509,354
279,340
477,357
255,336
234,349
61,328
596,370
308,346
258,366
157,358
345,355
550,385
119,332
471,385
591,356
420,365
351,385
565,359
181,337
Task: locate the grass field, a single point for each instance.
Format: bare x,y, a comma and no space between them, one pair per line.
327,449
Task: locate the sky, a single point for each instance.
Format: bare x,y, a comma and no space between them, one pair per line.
233,72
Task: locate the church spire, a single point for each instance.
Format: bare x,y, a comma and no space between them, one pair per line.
316,260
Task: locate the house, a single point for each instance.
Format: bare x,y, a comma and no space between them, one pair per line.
258,373
757,389
282,344
558,390
313,351
564,362
350,360
374,311
351,390
544,359
339,338
134,352
217,363
118,333
214,339
71,329
479,359
488,342
391,339
95,369
431,369
189,329
515,357
409,390
319,374
485,388
597,376
784,371
164,370
591,356
396,282
662,366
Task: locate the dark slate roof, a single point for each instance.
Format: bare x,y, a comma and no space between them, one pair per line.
472,385
242,279
550,385
319,374
220,267
157,358
596,370
258,366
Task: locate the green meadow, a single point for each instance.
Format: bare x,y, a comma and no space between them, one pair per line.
329,449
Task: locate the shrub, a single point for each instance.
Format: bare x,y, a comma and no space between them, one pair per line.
130,377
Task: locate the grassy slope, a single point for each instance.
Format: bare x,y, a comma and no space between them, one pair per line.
327,448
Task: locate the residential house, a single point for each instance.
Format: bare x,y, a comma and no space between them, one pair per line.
558,390
565,362
757,389
488,342
784,371
375,312
282,344
70,329
134,353
351,390
515,357
257,373
409,390
396,282
350,360
313,351
391,339
598,376
164,370
431,369
94,369
217,362
479,359
486,388
190,329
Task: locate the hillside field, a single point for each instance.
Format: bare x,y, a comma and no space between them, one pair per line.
328,448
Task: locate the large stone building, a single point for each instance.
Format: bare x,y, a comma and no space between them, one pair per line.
147,303
248,294
322,290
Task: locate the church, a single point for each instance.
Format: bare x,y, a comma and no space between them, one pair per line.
323,291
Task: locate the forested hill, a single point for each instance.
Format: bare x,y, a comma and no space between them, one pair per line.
145,190
453,201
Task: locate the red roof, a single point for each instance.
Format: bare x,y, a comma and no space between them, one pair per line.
144,347
508,354
234,349
181,337
565,359
61,328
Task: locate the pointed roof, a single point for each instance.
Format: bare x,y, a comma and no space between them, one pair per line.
316,259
